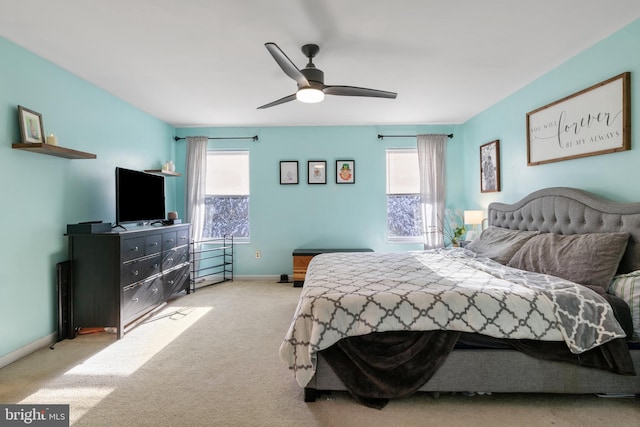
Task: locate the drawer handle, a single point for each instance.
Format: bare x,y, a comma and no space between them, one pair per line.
155,290
155,244
135,300
134,249
170,241
135,273
156,265
171,282
170,259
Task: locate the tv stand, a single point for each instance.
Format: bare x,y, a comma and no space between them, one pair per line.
120,276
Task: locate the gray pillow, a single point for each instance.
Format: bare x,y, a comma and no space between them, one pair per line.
500,244
589,259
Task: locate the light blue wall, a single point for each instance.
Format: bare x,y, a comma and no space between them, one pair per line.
286,217
614,176
40,194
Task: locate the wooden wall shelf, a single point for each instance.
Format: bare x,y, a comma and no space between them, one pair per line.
163,172
53,150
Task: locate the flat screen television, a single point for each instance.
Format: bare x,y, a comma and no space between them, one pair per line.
139,196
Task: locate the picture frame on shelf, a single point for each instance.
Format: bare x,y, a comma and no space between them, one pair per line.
490,167
289,172
316,172
345,171
31,128
593,121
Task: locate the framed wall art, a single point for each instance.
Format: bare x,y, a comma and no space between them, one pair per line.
490,167
31,128
288,172
596,120
345,171
316,172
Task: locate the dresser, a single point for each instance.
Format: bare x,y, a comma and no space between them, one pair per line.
119,276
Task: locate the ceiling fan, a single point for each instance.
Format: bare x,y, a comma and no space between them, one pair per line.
310,80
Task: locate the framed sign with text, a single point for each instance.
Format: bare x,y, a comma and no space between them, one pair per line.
596,120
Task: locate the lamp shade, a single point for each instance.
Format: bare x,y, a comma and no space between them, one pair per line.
473,217
310,95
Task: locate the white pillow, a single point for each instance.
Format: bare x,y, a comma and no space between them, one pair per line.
627,288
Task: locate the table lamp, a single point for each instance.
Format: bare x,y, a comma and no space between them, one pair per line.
473,218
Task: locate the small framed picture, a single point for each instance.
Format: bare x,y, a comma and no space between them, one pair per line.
317,172
345,171
490,167
31,129
288,172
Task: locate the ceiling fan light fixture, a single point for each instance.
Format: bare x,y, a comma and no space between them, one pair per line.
310,80
309,95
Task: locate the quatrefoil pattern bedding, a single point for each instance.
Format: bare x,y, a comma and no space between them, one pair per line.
350,294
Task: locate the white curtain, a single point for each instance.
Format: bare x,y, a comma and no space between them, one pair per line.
196,183
431,161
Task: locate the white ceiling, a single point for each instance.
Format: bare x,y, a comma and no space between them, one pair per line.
203,62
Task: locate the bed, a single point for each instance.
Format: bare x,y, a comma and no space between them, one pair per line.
523,308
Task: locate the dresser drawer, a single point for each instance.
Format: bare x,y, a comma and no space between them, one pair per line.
169,240
153,244
183,237
175,257
175,281
139,297
132,248
139,269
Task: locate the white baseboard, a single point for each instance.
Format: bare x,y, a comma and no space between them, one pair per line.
273,278
28,349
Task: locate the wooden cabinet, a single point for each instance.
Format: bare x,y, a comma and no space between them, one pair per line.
300,264
302,258
117,277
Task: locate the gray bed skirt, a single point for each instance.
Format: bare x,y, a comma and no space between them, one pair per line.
503,371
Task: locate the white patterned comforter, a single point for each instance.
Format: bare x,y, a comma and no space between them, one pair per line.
350,294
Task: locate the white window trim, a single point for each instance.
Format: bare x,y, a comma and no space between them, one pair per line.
236,239
398,239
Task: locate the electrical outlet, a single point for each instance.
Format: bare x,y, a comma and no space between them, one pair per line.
258,254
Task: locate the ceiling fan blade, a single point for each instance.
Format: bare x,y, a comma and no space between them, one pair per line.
286,64
358,91
278,102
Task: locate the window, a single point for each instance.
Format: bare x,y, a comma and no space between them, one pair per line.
404,217
227,195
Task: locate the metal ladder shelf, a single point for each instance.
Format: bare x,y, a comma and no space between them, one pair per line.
211,262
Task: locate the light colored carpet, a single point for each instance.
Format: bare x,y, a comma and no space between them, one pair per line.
211,359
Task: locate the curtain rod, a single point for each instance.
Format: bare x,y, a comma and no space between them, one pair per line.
254,137
404,136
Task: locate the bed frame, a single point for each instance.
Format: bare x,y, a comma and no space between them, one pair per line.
556,210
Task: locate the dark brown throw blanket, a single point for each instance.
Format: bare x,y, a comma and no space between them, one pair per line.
385,365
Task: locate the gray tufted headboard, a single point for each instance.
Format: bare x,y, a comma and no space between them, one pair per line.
571,211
